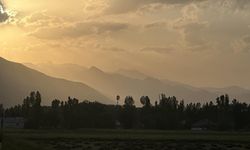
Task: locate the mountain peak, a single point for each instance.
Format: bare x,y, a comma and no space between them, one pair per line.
95,69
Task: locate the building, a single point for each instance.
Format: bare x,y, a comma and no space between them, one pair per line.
204,124
13,122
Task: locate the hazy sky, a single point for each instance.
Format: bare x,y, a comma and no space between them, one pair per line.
200,42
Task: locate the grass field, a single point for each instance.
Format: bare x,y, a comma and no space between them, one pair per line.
90,139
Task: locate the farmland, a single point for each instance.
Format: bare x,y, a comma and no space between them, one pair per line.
92,139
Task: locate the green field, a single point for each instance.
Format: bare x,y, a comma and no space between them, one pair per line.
89,139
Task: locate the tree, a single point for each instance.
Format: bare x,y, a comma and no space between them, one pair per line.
32,110
129,101
168,113
224,117
145,101
128,113
55,113
147,117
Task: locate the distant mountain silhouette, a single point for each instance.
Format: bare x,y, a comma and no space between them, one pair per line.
136,84
233,91
17,81
132,73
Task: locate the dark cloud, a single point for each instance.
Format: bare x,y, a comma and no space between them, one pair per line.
3,15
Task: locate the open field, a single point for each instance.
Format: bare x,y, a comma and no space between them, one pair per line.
123,140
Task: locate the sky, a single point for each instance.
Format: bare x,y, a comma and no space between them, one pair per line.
198,42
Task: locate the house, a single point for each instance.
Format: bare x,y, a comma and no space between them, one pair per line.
118,124
204,124
12,122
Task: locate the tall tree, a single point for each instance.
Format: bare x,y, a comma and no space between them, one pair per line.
128,113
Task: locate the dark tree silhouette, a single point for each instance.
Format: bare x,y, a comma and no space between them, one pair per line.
167,113
32,110
128,113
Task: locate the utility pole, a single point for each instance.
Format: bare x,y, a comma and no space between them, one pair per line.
117,100
117,122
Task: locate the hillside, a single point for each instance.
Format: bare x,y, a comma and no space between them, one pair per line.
17,80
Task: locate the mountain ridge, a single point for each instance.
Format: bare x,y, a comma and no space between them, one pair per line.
17,80
113,83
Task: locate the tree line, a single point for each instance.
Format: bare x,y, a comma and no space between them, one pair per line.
167,113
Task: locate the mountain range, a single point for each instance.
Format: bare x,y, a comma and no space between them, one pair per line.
134,83
17,81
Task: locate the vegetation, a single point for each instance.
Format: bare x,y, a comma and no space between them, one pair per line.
136,125
166,114
110,139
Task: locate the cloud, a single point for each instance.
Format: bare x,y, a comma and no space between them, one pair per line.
158,24
39,19
243,44
3,17
192,29
235,4
113,49
124,6
79,29
194,33
161,50
246,41
3,14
